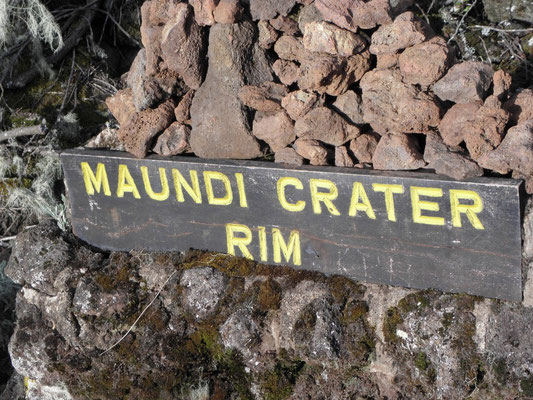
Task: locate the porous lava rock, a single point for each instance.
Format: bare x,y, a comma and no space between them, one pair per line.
350,106
354,14
397,152
174,140
287,71
228,11
268,9
323,37
182,112
121,105
364,146
342,157
520,106
276,129
288,155
326,125
311,150
204,11
300,102
266,97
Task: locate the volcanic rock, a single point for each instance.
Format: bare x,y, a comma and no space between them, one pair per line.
501,84
327,73
351,14
311,150
138,133
520,106
288,156
387,61
285,24
342,158
449,160
407,30
308,14
174,140
287,71
121,105
326,125
300,102
182,46
182,111
289,48
204,11
397,151
220,122
146,89
324,37
267,35
364,146
275,129
266,97
425,63
391,105
268,9
466,82
228,12
203,289
350,106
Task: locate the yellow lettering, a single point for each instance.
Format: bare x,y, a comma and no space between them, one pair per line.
359,192
97,182
263,244
419,205
180,182
219,176
282,183
324,197
126,182
279,245
389,191
469,209
240,242
242,194
163,195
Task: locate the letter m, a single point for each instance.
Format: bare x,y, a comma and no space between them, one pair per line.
95,182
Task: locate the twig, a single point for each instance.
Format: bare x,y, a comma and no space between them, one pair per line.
8,238
461,21
139,317
491,28
489,59
108,15
423,12
24,131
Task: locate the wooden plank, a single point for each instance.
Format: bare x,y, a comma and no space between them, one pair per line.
408,229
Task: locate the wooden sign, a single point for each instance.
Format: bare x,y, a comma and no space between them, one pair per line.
408,229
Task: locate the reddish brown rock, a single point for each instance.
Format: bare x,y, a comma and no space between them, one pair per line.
288,156
397,151
311,150
287,71
268,9
448,160
183,46
457,121
364,146
466,82
204,11
387,61
276,129
323,37
327,73
390,105
138,133
407,30
266,98
289,48
285,24
514,153
501,84
425,63
267,35
174,140
520,106
121,105
151,37
324,124
342,158
182,111
350,106
351,14
308,14
300,102
228,12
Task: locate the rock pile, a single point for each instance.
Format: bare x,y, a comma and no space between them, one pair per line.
343,82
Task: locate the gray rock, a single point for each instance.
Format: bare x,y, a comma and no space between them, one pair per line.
220,122
203,288
507,10
397,151
268,9
173,141
288,156
342,158
241,332
14,389
350,106
308,13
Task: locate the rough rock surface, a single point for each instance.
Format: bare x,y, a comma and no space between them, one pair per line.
406,31
267,9
352,14
138,133
174,140
287,71
323,37
311,150
182,112
266,97
391,105
228,11
397,151
276,129
204,11
364,146
221,128
342,158
466,82
326,125
245,330
425,63
300,102
449,160
520,106
507,10
121,105
288,156
350,106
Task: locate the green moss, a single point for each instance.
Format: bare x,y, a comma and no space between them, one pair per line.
268,295
392,319
354,311
526,386
343,288
278,383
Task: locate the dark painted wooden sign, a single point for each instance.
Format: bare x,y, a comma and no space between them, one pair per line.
407,229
